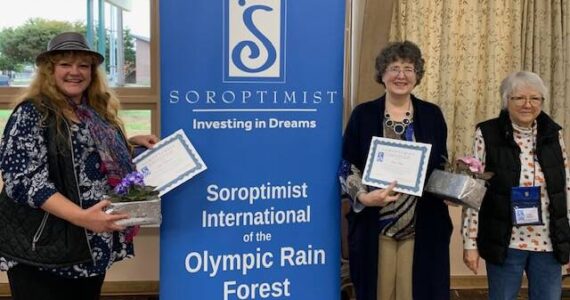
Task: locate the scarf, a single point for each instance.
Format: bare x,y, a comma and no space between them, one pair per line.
109,141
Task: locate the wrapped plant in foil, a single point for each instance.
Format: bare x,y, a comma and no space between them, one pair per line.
462,182
141,202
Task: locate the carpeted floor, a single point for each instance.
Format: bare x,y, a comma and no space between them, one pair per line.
482,295
139,297
476,294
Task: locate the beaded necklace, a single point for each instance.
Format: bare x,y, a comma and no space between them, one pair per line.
398,127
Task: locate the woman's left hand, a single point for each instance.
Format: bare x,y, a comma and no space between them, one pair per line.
471,259
145,140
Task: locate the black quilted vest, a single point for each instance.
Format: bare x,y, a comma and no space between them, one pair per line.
31,235
502,158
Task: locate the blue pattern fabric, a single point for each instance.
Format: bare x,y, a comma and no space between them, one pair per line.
23,163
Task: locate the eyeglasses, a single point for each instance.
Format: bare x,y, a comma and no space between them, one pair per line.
395,71
533,100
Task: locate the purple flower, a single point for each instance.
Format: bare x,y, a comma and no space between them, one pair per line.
122,188
132,188
133,178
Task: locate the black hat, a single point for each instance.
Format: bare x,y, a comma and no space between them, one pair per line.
68,41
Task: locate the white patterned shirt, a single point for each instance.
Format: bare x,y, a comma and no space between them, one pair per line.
527,237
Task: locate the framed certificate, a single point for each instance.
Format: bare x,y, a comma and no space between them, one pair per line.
402,161
171,162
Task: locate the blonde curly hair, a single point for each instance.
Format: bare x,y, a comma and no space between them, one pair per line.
98,94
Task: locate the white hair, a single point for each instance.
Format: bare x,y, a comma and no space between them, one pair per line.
521,79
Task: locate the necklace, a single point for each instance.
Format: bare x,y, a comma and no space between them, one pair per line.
398,127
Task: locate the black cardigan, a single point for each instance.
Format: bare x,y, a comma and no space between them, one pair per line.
430,276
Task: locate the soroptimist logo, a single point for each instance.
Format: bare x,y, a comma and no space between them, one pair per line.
254,40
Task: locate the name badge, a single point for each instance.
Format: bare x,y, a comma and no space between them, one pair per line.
525,205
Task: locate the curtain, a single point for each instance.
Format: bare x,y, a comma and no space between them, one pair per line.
545,46
370,22
468,47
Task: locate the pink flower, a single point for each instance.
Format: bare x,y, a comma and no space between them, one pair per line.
474,164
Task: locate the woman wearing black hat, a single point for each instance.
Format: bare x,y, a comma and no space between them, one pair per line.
63,149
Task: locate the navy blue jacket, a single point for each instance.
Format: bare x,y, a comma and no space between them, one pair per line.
430,276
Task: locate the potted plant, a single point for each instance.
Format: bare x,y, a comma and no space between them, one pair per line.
462,182
141,202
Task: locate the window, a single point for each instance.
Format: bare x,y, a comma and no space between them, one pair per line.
4,115
137,120
131,62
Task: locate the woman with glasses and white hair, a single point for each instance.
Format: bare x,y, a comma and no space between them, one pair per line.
399,243
523,221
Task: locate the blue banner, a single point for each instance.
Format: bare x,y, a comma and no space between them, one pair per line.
257,87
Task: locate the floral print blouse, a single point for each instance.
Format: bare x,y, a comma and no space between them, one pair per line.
528,237
23,163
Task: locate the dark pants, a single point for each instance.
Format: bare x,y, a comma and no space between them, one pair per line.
29,283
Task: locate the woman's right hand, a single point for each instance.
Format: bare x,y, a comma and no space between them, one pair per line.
93,218
471,259
379,197
97,220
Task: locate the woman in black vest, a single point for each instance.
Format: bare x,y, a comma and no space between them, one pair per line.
399,243
62,150
523,221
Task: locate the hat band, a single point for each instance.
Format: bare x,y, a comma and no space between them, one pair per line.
70,45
